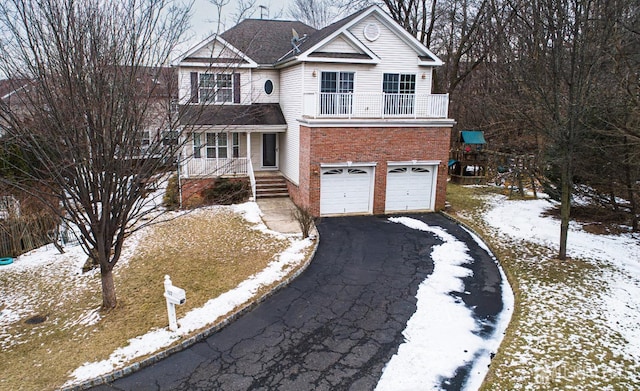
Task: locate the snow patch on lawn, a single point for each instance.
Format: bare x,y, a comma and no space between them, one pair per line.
525,220
442,334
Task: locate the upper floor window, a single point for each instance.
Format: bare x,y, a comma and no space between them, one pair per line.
216,87
337,82
396,83
399,92
336,92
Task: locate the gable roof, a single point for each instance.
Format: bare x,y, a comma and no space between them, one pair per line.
269,42
237,56
341,28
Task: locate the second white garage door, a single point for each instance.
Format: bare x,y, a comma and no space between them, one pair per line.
346,190
409,188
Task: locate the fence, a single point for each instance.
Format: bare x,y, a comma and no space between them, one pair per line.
20,234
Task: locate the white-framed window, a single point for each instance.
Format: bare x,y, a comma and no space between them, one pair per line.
216,145
216,87
144,140
400,90
336,92
197,145
170,137
235,144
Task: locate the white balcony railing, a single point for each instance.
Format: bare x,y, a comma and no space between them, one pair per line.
209,168
381,105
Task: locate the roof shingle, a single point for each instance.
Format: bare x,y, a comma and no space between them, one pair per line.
246,115
265,41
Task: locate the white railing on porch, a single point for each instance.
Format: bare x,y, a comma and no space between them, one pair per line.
209,168
252,178
375,105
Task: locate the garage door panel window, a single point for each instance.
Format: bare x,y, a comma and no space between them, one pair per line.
356,171
400,170
333,172
420,170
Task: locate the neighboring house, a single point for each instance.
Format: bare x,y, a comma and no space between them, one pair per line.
10,99
345,113
157,85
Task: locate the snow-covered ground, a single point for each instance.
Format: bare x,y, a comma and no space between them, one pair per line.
580,322
442,335
524,220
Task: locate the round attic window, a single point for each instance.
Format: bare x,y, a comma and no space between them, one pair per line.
371,31
268,87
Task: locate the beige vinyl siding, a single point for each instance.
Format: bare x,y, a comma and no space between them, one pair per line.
368,78
214,50
258,78
339,45
395,57
291,104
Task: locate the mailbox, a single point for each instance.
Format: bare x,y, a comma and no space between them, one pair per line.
175,295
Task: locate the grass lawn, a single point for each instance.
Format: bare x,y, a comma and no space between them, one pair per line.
558,337
206,252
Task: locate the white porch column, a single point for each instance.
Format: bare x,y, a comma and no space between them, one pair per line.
249,146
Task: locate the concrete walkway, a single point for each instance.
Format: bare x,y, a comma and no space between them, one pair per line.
277,214
337,325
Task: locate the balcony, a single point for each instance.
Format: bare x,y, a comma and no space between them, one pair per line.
379,105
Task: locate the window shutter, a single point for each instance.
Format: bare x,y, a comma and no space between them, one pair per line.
194,87
236,88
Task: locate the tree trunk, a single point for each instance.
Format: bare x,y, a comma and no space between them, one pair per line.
108,289
630,183
565,209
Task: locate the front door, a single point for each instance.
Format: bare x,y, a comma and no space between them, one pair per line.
269,150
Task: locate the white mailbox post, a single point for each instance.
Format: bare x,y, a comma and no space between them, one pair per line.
174,295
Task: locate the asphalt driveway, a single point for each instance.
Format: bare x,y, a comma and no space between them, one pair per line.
337,325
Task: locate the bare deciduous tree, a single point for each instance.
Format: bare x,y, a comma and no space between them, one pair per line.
552,59
95,86
316,13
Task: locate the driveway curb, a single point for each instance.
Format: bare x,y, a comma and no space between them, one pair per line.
120,373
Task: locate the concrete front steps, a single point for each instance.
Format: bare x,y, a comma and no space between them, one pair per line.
271,186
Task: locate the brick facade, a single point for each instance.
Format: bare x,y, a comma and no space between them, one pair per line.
365,145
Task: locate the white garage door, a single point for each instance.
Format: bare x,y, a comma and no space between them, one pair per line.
346,190
409,188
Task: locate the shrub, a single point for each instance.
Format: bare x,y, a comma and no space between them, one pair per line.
193,201
226,192
305,220
171,197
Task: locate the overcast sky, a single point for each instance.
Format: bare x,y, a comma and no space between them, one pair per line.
204,19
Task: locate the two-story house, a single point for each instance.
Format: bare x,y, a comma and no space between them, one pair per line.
344,113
